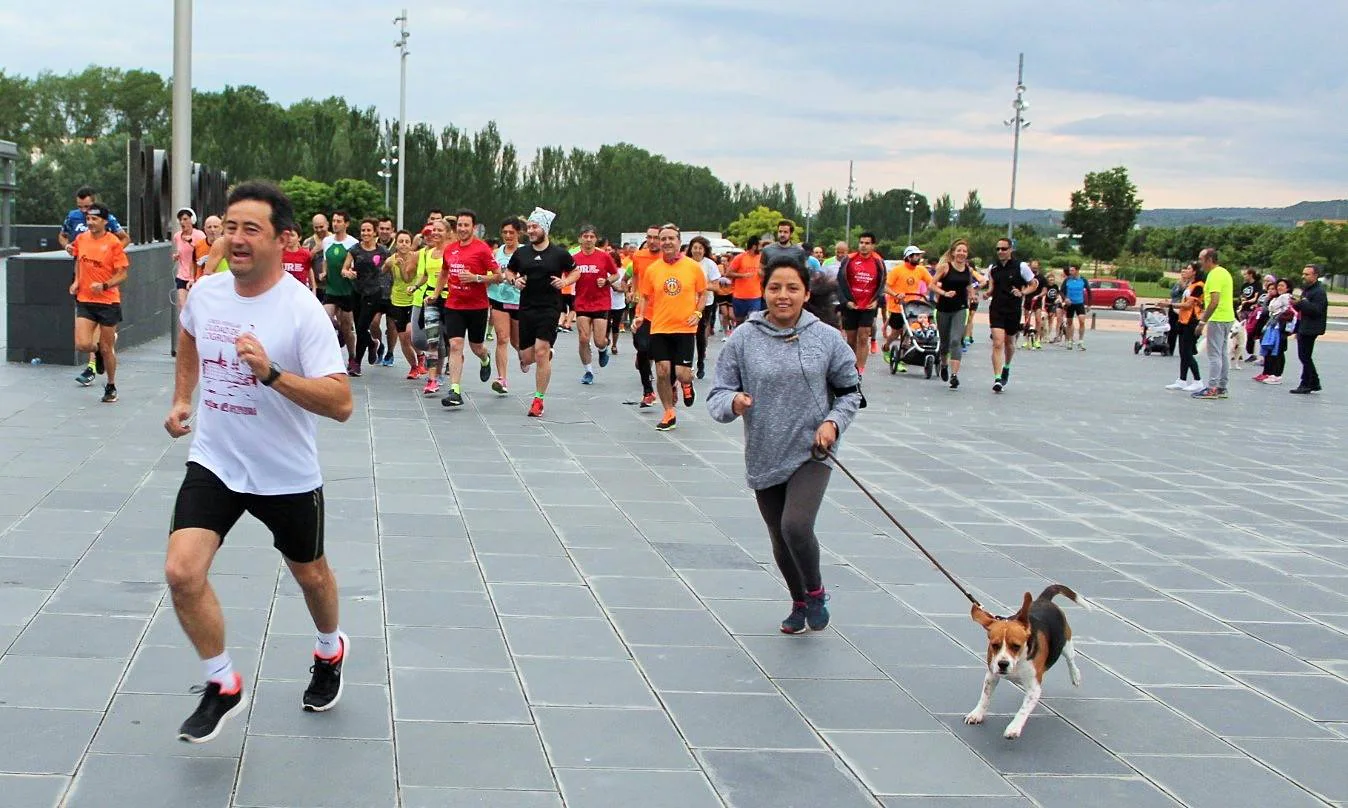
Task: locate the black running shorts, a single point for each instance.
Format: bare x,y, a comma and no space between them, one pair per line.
456,323
538,325
676,349
295,520
1008,321
853,319
101,313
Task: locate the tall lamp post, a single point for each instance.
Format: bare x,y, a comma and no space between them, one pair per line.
851,185
1016,123
180,183
401,45
912,206
388,161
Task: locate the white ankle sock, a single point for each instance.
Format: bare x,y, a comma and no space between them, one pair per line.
219,669
328,645
589,368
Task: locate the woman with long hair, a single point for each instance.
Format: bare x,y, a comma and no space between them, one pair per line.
430,260
1273,341
699,249
953,285
505,304
406,272
1187,314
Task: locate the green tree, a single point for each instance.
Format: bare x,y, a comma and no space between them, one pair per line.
358,198
943,215
309,197
971,215
1103,213
756,222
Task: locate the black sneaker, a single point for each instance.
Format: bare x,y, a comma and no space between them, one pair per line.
453,399
954,382
214,709
98,362
945,373
795,622
86,377
484,373
109,393
375,353
701,371
1006,375
997,386
325,687
816,613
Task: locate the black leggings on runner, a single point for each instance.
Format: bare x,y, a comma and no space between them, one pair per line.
364,317
704,330
789,510
641,341
1188,351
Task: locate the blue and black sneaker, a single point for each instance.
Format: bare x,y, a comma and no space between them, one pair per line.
816,612
795,622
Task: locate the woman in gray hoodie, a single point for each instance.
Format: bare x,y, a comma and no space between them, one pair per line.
794,381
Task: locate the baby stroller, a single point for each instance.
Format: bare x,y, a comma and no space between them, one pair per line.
1155,331
920,343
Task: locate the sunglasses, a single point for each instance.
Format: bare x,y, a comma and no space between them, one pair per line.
1003,249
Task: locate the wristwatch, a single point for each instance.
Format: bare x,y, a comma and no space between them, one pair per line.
272,376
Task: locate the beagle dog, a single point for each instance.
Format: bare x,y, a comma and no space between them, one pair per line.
1023,648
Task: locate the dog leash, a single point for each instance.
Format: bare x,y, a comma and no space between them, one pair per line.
825,454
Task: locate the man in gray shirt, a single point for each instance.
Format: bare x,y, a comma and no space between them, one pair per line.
783,248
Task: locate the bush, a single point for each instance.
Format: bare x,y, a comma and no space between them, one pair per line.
1140,274
1061,261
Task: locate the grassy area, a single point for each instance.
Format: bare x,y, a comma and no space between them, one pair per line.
1152,290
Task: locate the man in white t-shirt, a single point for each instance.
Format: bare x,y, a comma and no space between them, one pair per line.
261,347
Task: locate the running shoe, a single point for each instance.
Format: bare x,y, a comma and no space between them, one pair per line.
484,373
1081,346
1272,380
667,423
98,362
86,377
536,408
816,612
1260,377
414,373
432,387
499,386
588,378
421,359
701,370
1006,374
885,355
376,353
945,373
603,357
1221,392
1038,345
903,368
491,334
1206,394
1069,345
354,370
1180,384
1195,386
453,399
997,386
689,394
875,347
109,393
213,711
648,400
954,382
795,622
388,359
968,341
325,686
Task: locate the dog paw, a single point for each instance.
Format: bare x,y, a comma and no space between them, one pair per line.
1012,733
976,717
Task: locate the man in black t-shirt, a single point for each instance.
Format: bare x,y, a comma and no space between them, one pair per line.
539,270
1009,281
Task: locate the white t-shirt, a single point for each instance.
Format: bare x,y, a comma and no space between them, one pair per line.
253,438
713,274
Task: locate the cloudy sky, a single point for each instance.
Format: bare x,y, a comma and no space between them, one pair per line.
1207,102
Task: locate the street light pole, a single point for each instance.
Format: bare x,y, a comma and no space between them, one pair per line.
181,136
847,233
1017,123
401,45
808,200
912,206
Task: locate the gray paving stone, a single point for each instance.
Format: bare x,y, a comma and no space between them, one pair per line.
266,776
1238,712
1139,727
38,792
147,724
558,682
607,738
760,721
771,779
809,656
108,598
1154,665
1208,782
643,593
419,797
1305,640
58,683
363,714
736,584
906,646
434,576
44,741
876,705
289,657
544,600
26,577
449,695
439,609
153,782
1070,792
244,628
471,756
458,648
79,636
1323,698
602,788
1314,764
1048,745
705,556
563,637
701,670
669,627
528,569
1238,653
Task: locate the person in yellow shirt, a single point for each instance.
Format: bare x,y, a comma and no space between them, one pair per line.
910,280
670,298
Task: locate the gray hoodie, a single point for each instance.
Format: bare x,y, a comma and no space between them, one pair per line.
788,373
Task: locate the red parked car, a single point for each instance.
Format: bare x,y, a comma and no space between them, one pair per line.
1112,292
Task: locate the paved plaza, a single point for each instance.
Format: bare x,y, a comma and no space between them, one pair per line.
581,611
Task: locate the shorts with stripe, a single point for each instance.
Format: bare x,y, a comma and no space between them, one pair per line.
295,520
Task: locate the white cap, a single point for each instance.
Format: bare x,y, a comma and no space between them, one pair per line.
543,218
910,251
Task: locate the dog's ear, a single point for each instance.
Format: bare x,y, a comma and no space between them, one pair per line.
1023,616
982,616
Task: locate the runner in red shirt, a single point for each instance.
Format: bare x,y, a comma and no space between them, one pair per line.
593,299
469,265
859,281
295,260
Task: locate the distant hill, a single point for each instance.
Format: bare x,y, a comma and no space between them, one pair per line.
1178,217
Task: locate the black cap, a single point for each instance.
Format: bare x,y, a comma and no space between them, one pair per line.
98,210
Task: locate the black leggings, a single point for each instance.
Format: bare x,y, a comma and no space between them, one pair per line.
1188,351
789,510
1275,363
704,329
641,341
364,317
1172,337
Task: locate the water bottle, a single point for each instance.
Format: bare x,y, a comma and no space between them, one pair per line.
35,361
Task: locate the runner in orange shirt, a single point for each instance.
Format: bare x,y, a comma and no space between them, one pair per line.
746,296
910,280
101,267
641,336
671,290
